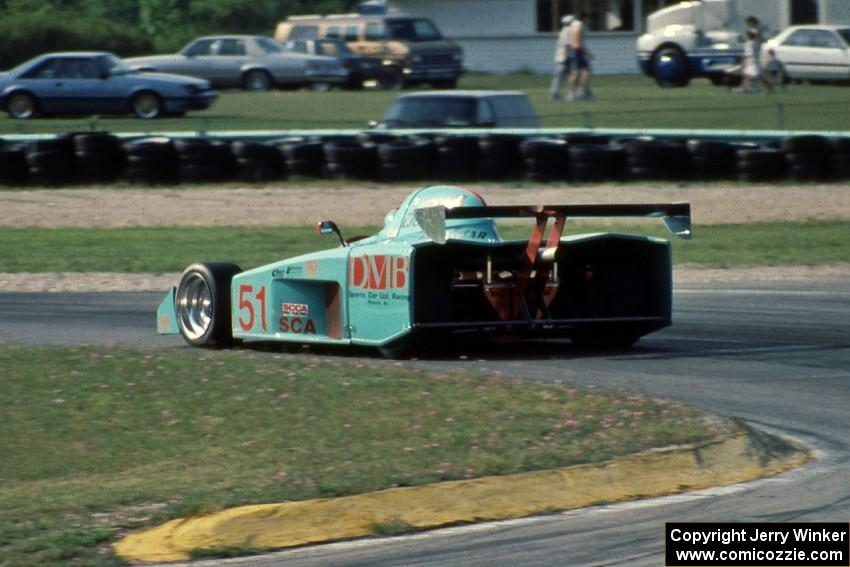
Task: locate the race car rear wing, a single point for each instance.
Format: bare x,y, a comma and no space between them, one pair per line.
676,216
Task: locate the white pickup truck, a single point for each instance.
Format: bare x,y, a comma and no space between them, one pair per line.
692,39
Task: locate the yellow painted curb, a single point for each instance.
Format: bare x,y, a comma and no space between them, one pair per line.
743,456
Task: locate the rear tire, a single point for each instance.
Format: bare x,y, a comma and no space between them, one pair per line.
256,81
147,105
202,304
21,106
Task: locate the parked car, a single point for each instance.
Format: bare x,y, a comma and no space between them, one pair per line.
439,270
97,82
251,62
460,109
815,52
359,68
413,48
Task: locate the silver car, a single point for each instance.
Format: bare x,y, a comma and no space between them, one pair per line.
815,52
251,62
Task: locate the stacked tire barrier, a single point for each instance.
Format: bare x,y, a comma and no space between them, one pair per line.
595,159
51,161
14,169
405,159
100,157
303,157
545,158
657,159
807,157
352,158
713,160
151,160
840,163
456,157
256,161
200,160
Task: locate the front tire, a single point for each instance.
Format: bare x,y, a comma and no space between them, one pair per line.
257,81
147,105
202,304
670,67
21,106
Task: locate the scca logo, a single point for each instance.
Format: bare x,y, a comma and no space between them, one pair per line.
379,272
297,325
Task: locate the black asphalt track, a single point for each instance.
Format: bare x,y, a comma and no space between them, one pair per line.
775,354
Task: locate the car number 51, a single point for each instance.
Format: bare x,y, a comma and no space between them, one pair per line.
247,313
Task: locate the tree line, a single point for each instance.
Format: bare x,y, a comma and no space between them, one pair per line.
137,27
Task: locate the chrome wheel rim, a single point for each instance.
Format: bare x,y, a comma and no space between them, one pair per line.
194,306
21,106
146,106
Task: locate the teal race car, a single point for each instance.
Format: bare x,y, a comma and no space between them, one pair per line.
439,269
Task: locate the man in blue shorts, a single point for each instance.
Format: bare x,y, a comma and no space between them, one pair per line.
579,62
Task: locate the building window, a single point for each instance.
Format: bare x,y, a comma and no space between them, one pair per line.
599,15
804,12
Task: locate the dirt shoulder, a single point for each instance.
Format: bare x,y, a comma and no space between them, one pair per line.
367,203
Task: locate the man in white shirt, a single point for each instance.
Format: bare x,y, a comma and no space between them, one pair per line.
562,62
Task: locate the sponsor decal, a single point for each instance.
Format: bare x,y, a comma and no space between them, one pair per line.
288,272
381,272
294,309
297,325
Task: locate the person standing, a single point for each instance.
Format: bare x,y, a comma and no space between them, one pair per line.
753,73
578,61
562,55
752,70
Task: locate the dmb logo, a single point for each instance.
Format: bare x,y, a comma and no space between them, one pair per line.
379,272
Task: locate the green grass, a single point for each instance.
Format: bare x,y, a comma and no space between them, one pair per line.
158,250
622,102
100,441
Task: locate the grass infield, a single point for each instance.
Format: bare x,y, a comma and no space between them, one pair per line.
160,250
630,101
106,440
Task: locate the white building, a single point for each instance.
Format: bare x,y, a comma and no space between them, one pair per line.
503,36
